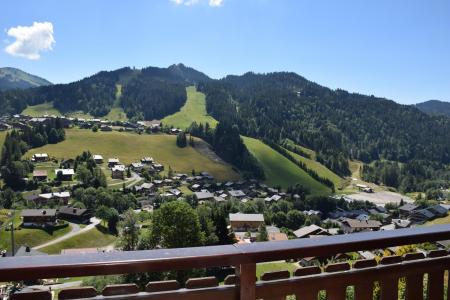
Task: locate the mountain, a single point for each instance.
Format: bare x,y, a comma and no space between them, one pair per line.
337,124
435,107
149,93
11,78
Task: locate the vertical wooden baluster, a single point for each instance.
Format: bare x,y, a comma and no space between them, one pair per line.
414,283
364,289
436,285
389,286
247,277
307,293
275,275
336,293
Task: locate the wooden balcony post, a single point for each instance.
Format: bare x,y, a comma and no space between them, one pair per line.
247,280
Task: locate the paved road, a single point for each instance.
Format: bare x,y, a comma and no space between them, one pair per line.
129,182
75,231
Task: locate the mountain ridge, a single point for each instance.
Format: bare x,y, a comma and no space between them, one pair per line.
435,107
13,78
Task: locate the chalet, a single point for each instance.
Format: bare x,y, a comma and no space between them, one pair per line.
400,223
64,174
175,192
112,162
38,217
272,198
146,188
407,209
246,222
158,167
421,216
147,160
438,210
137,166
236,193
98,159
73,214
40,175
158,182
55,198
40,157
309,231
4,126
352,225
195,187
105,128
118,172
204,195
175,131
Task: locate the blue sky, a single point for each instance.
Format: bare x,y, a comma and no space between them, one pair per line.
396,49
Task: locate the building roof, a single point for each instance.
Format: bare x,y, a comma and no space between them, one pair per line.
113,160
118,168
362,224
408,207
97,157
65,172
203,195
40,155
67,210
247,217
38,212
236,193
39,173
310,230
80,251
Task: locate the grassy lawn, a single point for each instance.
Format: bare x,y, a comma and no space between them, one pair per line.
281,171
94,238
130,147
2,137
193,110
41,109
320,169
274,266
28,237
117,113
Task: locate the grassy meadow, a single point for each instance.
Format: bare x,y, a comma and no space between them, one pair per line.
320,169
281,171
26,236
131,147
193,110
97,237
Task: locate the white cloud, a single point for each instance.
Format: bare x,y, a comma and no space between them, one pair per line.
213,3
31,40
185,2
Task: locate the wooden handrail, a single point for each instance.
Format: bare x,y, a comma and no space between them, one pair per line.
57,266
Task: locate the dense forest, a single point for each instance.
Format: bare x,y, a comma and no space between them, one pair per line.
338,125
13,169
147,94
227,143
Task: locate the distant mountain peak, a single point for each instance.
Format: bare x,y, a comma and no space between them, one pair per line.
435,107
13,78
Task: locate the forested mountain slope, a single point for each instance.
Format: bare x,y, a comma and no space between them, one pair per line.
148,93
337,124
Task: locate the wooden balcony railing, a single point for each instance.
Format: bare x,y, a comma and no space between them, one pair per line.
425,274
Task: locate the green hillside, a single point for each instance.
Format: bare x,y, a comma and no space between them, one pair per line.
320,169
117,113
130,147
2,137
40,110
193,110
281,171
